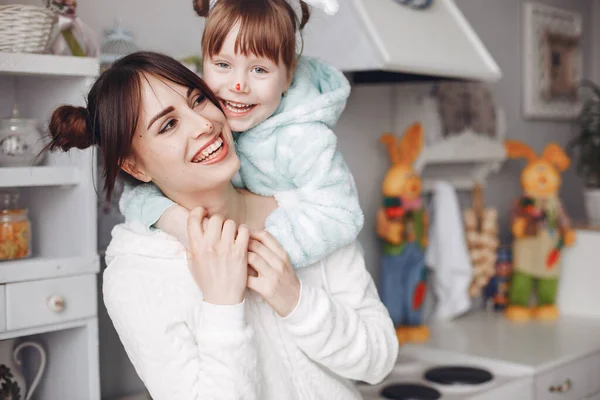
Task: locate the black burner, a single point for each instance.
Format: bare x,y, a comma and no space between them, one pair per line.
457,375
409,392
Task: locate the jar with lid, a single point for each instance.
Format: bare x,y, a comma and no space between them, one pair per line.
15,227
21,141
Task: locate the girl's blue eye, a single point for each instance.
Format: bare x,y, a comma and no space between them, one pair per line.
222,65
172,123
260,70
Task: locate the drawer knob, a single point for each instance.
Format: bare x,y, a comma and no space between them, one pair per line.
565,387
56,303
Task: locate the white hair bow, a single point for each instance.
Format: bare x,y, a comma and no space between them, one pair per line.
330,7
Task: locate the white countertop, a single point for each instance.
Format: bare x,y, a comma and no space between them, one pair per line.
535,344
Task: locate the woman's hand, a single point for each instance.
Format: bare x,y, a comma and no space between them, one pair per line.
218,260
276,282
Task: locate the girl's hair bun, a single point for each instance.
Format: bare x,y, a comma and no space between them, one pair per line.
202,7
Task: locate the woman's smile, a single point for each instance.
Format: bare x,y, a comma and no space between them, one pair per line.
212,152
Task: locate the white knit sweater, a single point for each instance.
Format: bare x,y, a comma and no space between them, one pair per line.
184,348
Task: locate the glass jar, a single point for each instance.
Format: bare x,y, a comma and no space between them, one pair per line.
21,141
15,227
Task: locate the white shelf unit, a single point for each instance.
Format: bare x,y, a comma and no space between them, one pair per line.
60,195
39,176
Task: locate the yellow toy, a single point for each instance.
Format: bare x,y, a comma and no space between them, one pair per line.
540,230
402,224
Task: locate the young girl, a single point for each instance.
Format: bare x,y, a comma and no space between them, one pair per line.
284,106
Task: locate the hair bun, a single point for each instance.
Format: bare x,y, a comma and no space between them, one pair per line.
202,7
68,127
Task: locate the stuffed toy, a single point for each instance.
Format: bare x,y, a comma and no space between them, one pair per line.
541,229
402,224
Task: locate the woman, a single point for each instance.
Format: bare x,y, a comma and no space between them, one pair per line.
198,325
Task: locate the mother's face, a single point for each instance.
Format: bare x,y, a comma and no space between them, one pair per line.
182,141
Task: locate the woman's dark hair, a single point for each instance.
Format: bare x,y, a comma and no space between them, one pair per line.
113,108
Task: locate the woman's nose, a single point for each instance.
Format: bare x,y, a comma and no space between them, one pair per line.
200,126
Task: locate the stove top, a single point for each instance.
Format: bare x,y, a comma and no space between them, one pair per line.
457,375
429,374
406,391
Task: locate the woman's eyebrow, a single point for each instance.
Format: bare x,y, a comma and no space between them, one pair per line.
161,114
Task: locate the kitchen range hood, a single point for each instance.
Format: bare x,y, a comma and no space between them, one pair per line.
400,40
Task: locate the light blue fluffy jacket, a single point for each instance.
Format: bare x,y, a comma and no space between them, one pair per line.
292,156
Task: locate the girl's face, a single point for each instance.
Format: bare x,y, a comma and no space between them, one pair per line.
249,87
182,142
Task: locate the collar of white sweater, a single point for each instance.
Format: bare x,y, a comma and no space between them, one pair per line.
128,239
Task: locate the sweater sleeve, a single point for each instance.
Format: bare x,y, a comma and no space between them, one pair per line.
216,361
322,213
346,328
143,203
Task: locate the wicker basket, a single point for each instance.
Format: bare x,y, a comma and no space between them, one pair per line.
25,29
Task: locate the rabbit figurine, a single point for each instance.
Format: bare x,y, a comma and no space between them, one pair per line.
402,224
540,229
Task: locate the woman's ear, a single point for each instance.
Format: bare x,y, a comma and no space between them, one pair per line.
130,167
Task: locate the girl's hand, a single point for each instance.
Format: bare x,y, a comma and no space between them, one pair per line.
218,260
276,282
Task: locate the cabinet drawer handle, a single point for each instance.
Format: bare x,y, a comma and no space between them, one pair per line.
565,387
56,303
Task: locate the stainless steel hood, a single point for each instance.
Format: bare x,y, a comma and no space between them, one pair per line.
395,39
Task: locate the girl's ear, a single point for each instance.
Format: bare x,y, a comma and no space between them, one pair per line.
290,77
554,154
130,167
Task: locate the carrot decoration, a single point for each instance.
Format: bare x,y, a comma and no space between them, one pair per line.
419,295
554,254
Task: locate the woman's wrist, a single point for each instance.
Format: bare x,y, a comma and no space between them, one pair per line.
223,317
223,299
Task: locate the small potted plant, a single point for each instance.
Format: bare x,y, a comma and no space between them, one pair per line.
587,143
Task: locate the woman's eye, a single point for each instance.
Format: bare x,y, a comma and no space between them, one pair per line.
200,99
172,123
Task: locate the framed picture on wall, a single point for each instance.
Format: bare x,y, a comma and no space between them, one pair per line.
552,62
